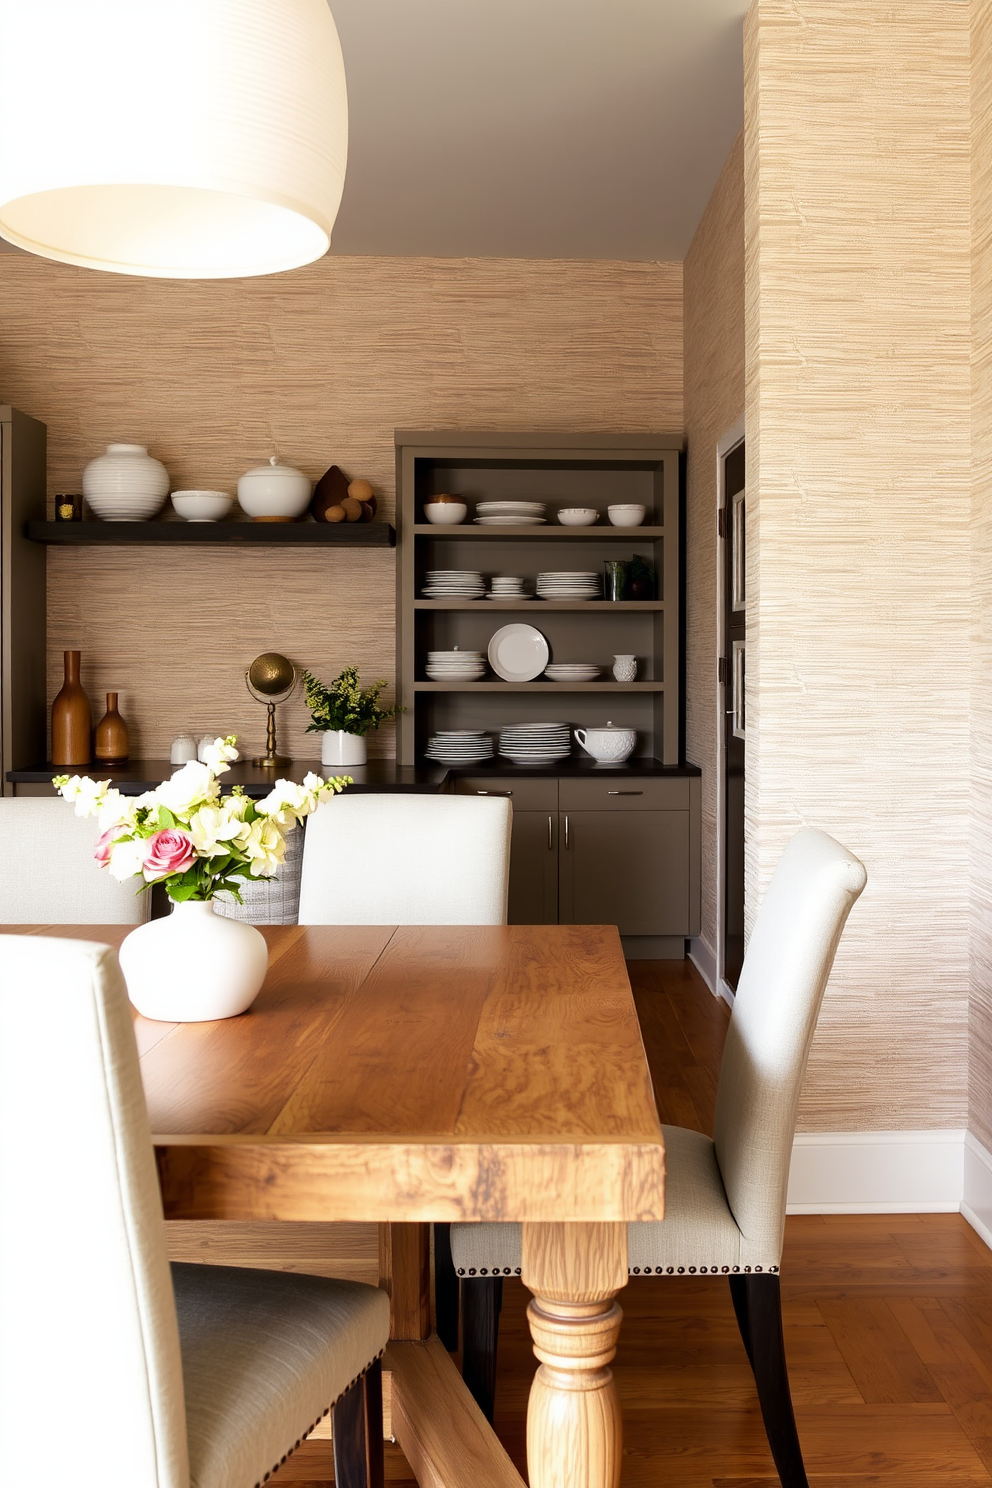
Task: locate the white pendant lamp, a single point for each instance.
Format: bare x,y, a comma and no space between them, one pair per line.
179,139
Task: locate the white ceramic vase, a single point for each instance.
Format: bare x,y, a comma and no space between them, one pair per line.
340,748
193,966
126,484
625,668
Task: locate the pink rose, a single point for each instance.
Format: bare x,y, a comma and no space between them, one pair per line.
168,852
104,843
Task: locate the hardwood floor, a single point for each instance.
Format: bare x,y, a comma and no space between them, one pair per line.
888,1326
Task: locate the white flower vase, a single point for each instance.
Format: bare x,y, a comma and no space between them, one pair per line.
340,748
193,966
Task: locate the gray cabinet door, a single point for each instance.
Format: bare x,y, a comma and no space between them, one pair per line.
628,869
534,869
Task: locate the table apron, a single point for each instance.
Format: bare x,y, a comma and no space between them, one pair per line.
415,1181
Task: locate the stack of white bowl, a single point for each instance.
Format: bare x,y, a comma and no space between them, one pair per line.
535,743
453,583
455,666
506,586
571,671
459,747
568,585
510,513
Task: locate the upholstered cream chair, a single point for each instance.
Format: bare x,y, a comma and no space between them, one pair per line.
399,859
205,1378
48,875
725,1198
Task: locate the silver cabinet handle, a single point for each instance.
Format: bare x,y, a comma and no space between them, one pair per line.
566,834
551,840
494,793
624,793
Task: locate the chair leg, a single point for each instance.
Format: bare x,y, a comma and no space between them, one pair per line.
771,1375
445,1289
738,1293
482,1300
356,1430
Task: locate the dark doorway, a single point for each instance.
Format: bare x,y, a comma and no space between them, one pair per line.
732,677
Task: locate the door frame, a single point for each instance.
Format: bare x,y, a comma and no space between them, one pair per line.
725,446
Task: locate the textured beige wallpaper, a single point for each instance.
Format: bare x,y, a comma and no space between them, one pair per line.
713,296
858,403
980,1071
319,366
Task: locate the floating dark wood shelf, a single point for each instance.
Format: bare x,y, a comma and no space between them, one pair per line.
179,534
546,687
555,531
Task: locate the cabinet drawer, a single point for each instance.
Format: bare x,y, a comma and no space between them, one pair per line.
524,794
613,793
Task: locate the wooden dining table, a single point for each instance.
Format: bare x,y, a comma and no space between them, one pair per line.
412,1074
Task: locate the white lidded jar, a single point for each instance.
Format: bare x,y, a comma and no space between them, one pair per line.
610,745
274,492
126,484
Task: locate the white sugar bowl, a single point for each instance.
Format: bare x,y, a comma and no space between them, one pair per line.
274,492
126,484
610,745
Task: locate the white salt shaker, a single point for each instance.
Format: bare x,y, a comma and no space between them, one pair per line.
205,743
183,750
625,668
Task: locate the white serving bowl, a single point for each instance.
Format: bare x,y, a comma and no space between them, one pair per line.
274,491
626,516
202,506
126,484
445,513
578,516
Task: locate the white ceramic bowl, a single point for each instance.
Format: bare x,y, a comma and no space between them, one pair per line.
577,516
126,484
202,506
626,516
274,490
446,513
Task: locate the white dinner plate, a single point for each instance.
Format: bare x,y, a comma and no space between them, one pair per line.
522,521
518,653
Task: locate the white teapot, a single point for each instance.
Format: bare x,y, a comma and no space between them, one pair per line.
610,745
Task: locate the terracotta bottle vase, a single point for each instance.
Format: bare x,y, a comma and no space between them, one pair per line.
111,742
71,721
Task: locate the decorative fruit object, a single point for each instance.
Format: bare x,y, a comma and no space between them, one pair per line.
330,491
352,509
335,514
361,490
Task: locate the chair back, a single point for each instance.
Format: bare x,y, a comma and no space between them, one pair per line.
788,961
88,1331
49,876
406,860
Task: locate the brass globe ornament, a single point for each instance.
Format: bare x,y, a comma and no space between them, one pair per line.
271,679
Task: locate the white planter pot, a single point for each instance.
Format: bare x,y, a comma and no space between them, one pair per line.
194,965
339,748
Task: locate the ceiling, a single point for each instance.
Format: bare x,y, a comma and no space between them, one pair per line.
536,128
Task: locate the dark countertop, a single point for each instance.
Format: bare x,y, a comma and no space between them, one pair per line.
377,776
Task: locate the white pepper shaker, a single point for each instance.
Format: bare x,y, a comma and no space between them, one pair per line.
183,749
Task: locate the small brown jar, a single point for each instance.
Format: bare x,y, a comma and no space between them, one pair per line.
111,743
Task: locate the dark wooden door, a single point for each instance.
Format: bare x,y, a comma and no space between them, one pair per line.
732,674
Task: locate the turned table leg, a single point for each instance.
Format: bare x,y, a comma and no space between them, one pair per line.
573,1418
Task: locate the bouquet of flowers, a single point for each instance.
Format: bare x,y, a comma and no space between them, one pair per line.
188,836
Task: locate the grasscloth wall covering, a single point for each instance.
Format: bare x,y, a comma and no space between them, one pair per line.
713,295
318,366
858,414
980,1043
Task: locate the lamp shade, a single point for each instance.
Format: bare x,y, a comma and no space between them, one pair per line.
180,139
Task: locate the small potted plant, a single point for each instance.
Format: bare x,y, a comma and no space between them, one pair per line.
344,714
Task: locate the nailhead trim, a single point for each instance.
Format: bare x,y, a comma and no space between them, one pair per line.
313,1425
507,1271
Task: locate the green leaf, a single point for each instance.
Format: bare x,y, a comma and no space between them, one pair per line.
165,818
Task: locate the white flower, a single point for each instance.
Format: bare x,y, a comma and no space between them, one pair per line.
265,847
126,858
115,811
214,829
89,795
191,786
286,803
217,754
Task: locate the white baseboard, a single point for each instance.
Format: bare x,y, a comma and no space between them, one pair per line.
898,1172
976,1204
703,957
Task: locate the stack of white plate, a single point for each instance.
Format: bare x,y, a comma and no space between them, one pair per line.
453,583
567,585
459,747
505,586
510,513
535,743
571,671
455,666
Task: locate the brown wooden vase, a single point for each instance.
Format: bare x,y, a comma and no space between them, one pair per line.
71,720
111,741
